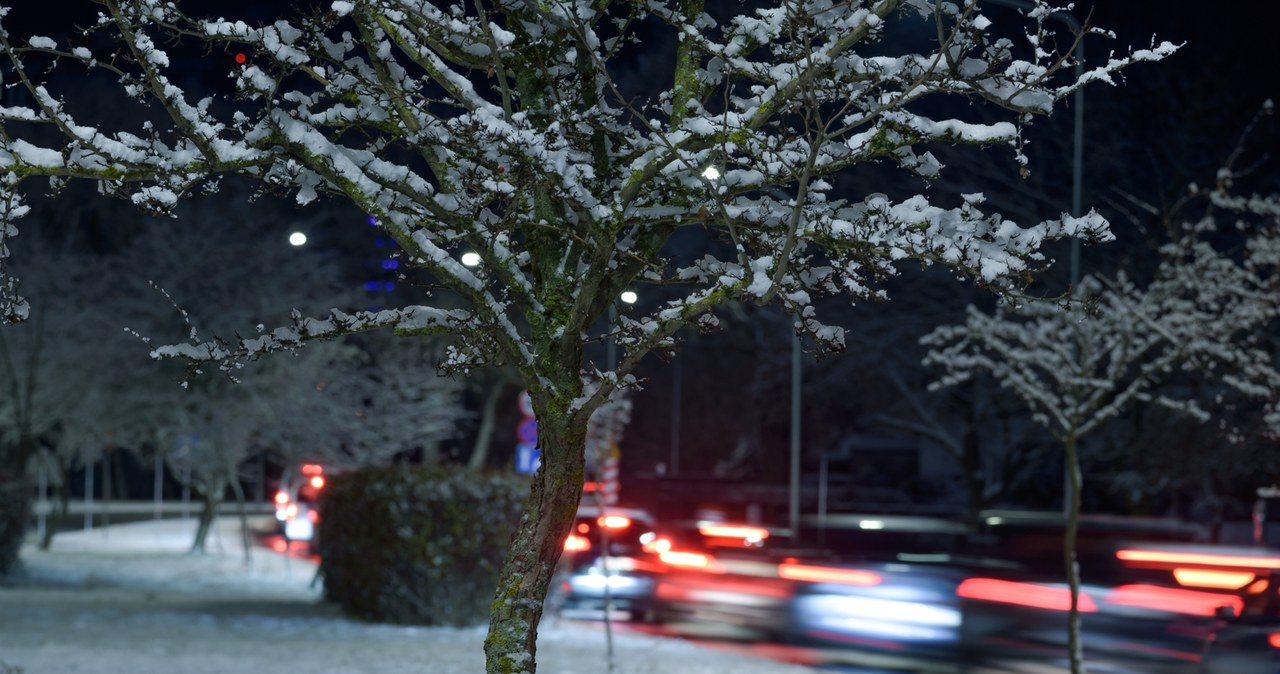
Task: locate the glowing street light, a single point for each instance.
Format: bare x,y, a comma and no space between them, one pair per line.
297,239
611,346
711,173
471,259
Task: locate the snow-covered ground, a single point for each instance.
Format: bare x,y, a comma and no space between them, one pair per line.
128,600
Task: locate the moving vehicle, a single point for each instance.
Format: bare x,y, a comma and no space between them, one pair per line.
296,499
606,566
1246,640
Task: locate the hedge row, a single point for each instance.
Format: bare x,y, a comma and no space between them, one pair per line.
416,545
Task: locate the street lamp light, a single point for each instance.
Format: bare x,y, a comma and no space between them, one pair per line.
297,239
611,346
471,259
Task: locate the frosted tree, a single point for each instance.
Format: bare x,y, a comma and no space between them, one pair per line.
366,406
509,129
1204,322
211,270
51,375
1076,367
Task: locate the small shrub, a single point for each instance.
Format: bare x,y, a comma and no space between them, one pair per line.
416,545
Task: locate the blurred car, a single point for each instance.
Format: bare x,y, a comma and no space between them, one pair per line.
606,567
867,606
296,510
1247,640
1150,613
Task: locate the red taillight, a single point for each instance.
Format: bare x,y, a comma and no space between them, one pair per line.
1023,594
826,574
1158,557
317,481
313,516
282,497
1172,599
613,521
1273,639
312,469
576,543
1223,580
731,531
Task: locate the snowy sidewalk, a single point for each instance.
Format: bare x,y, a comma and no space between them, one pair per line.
129,600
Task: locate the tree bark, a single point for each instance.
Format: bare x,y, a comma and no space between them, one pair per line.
488,419
1075,648
208,511
242,511
511,645
59,512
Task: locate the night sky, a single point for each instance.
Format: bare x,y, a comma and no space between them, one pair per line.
1165,125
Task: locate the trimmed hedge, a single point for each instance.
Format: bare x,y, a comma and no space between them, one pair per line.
15,512
418,545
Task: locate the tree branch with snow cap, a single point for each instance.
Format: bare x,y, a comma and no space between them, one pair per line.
505,129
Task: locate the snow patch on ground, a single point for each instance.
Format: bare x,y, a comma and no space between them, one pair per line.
128,599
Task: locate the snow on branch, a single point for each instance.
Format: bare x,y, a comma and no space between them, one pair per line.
230,355
500,130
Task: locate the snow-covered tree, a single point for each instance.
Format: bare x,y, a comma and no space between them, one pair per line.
51,374
212,270
1077,367
508,129
366,406
1204,323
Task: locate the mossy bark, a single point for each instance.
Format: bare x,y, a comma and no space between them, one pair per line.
511,645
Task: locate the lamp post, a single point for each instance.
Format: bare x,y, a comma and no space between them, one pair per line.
1077,175
793,506
677,377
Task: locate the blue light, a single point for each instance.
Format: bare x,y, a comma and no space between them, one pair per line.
389,285
390,264
373,221
372,286
379,242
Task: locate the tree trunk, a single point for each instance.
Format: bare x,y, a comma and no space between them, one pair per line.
511,645
59,512
208,512
1075,648
488,419
242,510
106,486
